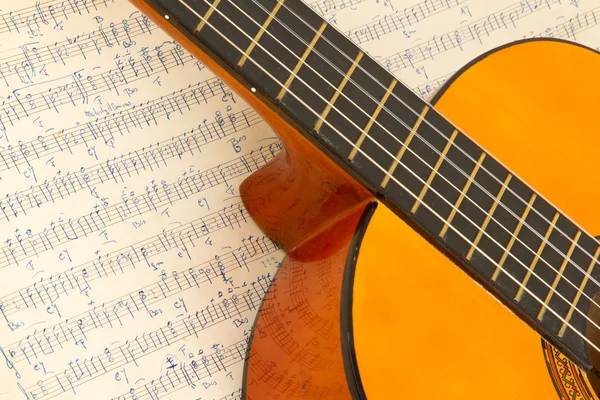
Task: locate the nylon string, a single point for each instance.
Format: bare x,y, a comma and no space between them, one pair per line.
519,219
439,174
522,200
206,22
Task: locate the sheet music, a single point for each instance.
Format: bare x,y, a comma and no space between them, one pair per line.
130,268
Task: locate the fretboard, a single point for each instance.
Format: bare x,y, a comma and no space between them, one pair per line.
529,255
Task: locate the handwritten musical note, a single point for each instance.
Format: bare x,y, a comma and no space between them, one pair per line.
125,167
155,196
30,63
118,311
325,7
404,21
35,18
235,306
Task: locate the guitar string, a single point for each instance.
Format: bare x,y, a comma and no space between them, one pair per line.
551,245
544,240
206,22
522,200
448,202
333,107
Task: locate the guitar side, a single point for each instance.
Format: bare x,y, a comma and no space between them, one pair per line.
413,324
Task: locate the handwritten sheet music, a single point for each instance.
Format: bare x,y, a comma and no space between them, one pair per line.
130,268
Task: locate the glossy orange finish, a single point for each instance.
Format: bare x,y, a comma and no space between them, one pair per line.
423,328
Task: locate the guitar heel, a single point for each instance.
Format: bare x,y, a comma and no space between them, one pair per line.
299,194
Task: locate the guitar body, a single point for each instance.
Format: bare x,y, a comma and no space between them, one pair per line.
365,305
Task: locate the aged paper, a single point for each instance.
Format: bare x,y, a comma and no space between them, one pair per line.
130,268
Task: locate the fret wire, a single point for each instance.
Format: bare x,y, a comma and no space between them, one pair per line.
260,33
394,165
488,217
335,96
434,172
557,278
563,328
372,119
301,61
460,149
537,256
211,9
576,331
386,180
514,237
462,195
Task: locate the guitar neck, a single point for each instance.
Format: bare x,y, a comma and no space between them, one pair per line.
527,253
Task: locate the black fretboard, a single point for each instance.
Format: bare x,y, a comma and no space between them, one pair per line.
529,255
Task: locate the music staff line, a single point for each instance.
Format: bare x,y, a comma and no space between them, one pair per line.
400,21
77,279
76,374
475,31
152,199
235,395
426,89
74,330
128,165
30,61
79,89
106,128
326,7
573,26
190,374
44,13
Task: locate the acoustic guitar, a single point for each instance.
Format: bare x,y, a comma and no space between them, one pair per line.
424,239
